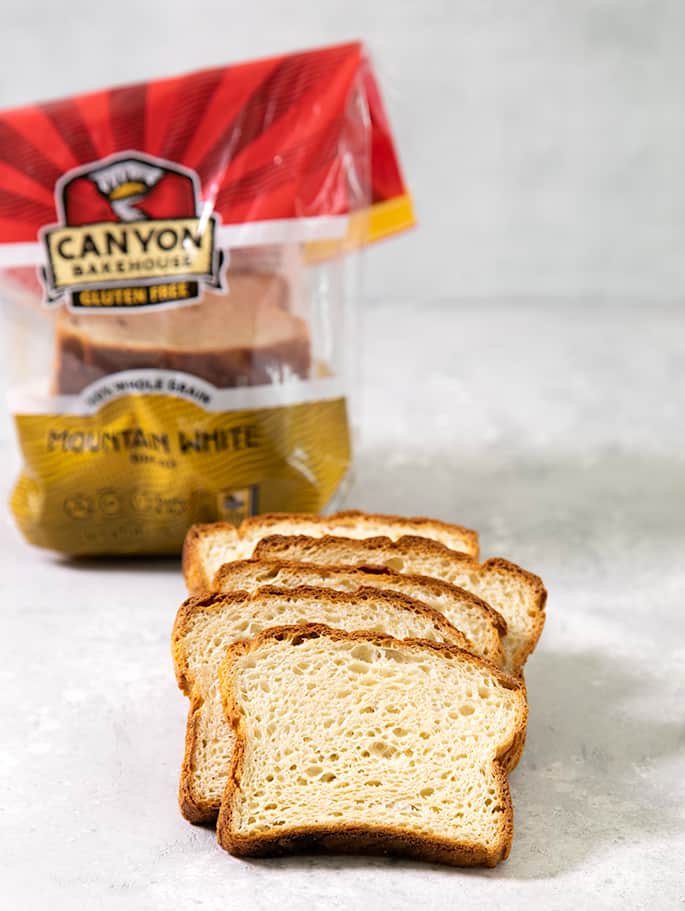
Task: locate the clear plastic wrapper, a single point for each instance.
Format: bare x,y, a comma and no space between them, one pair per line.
177,272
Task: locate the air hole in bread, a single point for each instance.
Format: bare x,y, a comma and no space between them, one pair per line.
395,655
364,652
267,574
381,748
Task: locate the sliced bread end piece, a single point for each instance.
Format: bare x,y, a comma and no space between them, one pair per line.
367,744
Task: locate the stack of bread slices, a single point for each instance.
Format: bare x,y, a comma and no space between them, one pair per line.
355,685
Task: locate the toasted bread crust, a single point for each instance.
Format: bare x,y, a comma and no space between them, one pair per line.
193,808
381,548
351,838
227,579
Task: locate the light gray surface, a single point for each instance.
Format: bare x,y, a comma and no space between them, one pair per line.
557,431
543,139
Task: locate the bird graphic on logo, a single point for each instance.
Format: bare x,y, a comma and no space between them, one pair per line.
126,183
131,188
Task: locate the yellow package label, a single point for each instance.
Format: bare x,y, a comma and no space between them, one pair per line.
134,476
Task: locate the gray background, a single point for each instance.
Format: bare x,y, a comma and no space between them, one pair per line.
523,357
544,140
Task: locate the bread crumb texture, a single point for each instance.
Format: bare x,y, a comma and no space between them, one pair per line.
206,627
519,596
463,609
347,731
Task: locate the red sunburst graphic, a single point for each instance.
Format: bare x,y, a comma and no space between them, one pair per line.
279,138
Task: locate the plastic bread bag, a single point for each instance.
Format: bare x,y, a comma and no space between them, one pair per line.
176,272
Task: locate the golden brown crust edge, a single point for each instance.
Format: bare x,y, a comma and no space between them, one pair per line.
355,839
468,534
191,560
192,808
350,516
196,811
540,602
191,565
376,840
265,548
515,751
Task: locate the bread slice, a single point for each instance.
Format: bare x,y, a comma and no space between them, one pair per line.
204,628
209,546
357,742
519,596
245,336
479,622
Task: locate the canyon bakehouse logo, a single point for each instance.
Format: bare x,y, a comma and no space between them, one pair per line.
131,234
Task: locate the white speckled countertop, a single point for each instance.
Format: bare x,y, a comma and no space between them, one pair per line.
556,428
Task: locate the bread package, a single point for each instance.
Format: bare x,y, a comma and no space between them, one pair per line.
176,258
243,337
